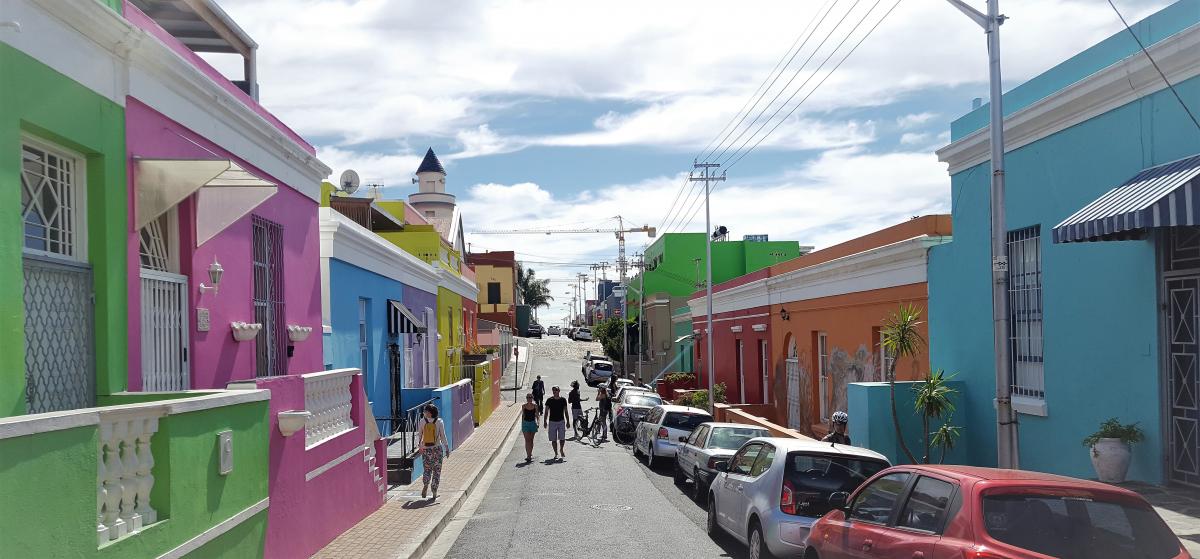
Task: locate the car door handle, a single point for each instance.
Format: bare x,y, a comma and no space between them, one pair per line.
741,488
867,545
918,555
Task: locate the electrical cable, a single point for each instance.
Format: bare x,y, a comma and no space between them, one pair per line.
1155,64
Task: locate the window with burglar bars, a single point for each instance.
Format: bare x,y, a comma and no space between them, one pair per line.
271,342
1025,312
52,201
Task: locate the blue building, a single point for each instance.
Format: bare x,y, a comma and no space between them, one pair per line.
1103,204
377,307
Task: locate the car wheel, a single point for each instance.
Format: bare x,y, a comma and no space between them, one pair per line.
679,477
650,456
758,546
699,489
710,521
637,453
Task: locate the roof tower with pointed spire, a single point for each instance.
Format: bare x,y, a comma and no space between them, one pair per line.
431,164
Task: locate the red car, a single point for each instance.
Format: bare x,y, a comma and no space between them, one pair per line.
961,512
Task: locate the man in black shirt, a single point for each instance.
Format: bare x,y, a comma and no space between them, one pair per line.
838,434
539,392
556,423
576,406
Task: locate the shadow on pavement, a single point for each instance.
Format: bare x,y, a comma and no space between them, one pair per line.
415,504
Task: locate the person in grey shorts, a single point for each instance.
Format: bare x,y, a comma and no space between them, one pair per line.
556,423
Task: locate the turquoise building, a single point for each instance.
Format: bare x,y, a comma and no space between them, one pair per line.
1103,204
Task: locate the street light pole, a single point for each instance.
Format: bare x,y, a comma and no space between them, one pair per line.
708,178
1007,440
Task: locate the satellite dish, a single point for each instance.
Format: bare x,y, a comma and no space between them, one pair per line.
348,183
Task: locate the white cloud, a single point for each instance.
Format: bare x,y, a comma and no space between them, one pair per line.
914,138
842,194
915,120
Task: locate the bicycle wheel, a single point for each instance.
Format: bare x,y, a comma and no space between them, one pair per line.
595,431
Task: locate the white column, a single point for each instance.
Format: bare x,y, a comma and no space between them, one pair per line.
124,476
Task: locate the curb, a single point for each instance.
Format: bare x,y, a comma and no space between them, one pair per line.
436,530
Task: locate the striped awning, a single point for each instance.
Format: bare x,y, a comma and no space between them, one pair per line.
1164,196
402,321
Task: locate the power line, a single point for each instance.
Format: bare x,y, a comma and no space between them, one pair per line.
805,34
795,75
819,84
1155,64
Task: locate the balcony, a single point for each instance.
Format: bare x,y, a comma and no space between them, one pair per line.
144,474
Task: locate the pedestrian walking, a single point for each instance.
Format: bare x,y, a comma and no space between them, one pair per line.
838,433
539,392
605,417
433,441
529,423
556,423
576,407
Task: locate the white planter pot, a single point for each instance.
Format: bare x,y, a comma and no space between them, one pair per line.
1110,458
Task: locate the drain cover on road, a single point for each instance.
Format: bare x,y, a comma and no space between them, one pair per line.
612,508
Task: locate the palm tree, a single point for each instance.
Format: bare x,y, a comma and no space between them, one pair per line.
932,402
535,292
901,338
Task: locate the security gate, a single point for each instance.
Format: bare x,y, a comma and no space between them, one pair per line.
1181,293
59,354
164,331
793,387
271,342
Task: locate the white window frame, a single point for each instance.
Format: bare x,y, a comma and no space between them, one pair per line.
364,335
79,188
885,360
1026,319
171,224
762,353
741,372
823,373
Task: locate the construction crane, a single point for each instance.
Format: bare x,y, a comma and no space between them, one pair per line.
620,232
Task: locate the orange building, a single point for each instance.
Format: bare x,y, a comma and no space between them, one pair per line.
824,314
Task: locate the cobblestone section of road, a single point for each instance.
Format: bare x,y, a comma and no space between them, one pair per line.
558,347
406,524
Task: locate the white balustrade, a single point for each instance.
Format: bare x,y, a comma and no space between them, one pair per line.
124,476
327,396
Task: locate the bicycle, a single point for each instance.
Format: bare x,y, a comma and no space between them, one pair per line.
589,427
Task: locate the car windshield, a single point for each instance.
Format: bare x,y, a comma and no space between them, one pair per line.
814,477
642,399
685,420
602,366
732,438
1091,527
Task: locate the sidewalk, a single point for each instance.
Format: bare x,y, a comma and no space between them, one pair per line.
1179,507
406,524
518,369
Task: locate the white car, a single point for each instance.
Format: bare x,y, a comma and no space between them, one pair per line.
658,435
598,372
769,494
710,443
583,335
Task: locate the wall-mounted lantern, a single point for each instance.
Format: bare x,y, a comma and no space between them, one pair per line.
214,275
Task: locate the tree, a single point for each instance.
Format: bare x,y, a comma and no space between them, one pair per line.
932,401
901,338
535,292
609,334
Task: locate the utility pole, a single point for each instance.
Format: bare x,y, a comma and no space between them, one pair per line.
583,277
708,176
1007,439
625,299
641,267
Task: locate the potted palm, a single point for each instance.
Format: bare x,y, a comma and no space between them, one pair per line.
1110,449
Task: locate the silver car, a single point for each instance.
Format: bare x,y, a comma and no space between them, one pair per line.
598,372
630,408
658,435
772,490
710,443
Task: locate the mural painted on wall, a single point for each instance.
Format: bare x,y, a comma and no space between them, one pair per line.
845,369
796,386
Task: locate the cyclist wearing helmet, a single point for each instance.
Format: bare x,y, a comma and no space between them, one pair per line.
576,406
838,434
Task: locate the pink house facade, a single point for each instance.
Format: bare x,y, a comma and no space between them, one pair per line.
224,278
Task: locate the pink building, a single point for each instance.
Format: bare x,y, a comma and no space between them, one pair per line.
224,244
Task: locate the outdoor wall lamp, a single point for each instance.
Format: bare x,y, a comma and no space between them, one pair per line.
214,275
783,314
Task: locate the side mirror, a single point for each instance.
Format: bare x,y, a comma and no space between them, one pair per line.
837,500
721,466
683,439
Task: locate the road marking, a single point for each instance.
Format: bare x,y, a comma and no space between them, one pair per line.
612,508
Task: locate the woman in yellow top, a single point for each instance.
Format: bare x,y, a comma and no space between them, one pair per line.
433,440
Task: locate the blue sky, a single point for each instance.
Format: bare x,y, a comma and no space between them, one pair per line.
560,113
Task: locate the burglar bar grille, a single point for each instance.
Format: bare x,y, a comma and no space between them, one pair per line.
1025,312
271,343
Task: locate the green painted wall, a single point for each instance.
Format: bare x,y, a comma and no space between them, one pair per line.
39,102
245,540
450,318
678,330
48,484
676,272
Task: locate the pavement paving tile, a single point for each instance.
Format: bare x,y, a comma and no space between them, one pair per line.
406,521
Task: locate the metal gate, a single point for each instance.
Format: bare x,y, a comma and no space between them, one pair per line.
1181,292
793,387
59,355
271,342
164,331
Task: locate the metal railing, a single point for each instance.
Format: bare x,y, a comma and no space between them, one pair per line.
406,429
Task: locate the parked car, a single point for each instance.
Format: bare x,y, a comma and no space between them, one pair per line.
553,331
698,454
769,494
658,435
631,408
534,331
589,359
621,383
962,511
624,387
599,372
569,332
583,335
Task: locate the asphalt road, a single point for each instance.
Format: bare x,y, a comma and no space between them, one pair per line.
599,502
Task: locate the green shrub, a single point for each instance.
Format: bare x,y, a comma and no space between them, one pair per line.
699,398
680,378
1112,428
